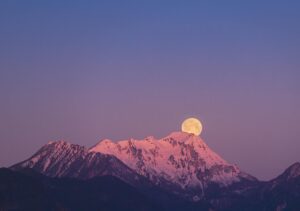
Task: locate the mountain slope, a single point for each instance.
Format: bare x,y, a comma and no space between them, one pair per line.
291,173
180,163
27,190
283,192
19,191
62,159
180,158
178,172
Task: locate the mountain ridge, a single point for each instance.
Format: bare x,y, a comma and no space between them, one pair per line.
181,163
178,165
63,159
177,154
33,191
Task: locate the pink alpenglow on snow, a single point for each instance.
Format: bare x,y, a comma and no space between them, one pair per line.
182,158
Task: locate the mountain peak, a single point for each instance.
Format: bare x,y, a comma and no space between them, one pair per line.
293,171
61,145
181,158
52,155
58,143
187,138
180,134
103,141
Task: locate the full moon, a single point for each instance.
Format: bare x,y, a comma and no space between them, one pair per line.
192,125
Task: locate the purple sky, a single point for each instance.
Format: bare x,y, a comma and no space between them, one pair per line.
118,69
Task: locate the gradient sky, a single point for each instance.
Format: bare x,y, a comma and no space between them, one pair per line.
87,70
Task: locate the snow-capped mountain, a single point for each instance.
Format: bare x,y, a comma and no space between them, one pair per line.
178,168
182,158
180,163
63,159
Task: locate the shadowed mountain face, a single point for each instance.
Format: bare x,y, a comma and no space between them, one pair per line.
174,173
21,191
281,193
28,190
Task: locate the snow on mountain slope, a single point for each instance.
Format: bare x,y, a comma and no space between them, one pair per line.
54,158
63,159
180,158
